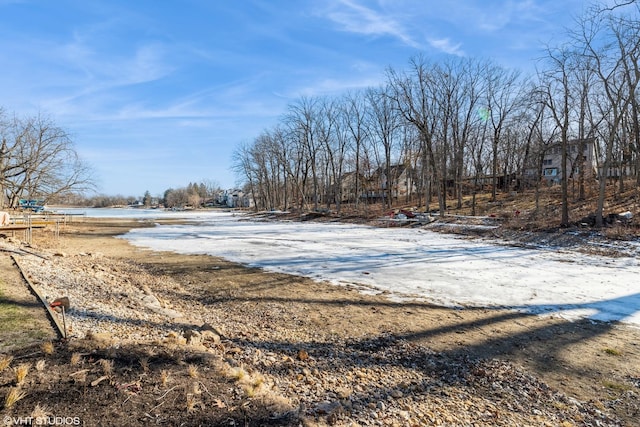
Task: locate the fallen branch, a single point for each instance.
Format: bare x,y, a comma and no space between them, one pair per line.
98,381
157,406
81,371
166,392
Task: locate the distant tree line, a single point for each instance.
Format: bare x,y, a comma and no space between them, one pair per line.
195,194
458,122
38,160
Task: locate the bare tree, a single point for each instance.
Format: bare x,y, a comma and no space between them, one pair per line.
412,93
617,4
332,136
627,35
383,123
466,88
557,93
38,160
609,49
354,117
244,167
302,119
502,97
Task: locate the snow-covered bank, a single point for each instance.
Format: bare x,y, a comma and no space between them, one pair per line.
449,270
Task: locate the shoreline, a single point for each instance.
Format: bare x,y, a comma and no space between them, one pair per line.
304,338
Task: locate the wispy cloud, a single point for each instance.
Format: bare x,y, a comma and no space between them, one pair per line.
233,101
356,18
148,63
499,16
445,45
77,73
144,63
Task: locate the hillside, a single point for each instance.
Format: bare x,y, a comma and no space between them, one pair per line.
515,218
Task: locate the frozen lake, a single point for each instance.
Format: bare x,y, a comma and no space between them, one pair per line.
410,263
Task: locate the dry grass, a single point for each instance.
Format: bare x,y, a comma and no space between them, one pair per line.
174,340
249,391
79,376
40,364
164,377
546,215
619,232
192,403
40,411
76,359
196,389
21,372
106,366
253,385
192,371
237,374
48,348
144,364
15,394
5,361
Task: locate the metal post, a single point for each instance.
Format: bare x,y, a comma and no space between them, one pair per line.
64,323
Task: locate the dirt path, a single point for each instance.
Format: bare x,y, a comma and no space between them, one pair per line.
592,362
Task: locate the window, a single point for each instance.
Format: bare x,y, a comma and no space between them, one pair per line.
547,162
551,172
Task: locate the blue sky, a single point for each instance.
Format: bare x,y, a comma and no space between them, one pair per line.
158,93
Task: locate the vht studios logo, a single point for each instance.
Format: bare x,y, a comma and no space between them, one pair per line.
41,421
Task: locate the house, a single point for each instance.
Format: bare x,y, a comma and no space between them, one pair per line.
348,184
397,184
220,198
236,198
552,161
